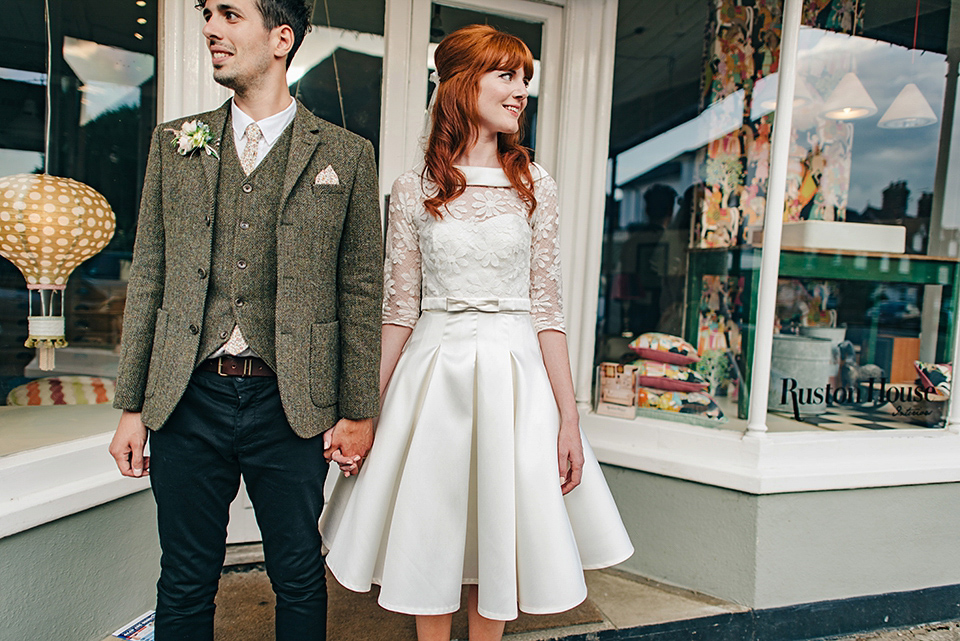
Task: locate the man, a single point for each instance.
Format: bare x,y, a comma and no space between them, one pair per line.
252,323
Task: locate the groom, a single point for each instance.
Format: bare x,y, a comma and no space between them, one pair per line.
252,323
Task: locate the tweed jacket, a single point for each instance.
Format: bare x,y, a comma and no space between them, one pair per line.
329,276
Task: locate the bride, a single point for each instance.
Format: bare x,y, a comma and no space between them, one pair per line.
479,474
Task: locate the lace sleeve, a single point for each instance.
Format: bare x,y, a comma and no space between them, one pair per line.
546,287
401,267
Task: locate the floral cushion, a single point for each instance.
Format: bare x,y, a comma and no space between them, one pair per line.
669,376
698,403
935,375
64,390
665,348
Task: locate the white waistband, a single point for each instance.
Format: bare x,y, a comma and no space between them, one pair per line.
492,304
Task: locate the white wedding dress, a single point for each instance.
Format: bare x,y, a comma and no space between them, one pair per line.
462,483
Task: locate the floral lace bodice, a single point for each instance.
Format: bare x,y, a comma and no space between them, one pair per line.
485,246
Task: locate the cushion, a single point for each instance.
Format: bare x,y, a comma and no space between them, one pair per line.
699,403
935,375
669,376
64,390
665,348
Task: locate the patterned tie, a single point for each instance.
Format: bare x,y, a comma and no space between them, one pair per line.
248,159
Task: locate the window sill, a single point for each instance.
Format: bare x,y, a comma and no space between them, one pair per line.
776,462
53,481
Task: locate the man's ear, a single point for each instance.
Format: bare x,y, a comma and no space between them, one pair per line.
284,39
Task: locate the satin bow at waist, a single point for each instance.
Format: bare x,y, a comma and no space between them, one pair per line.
491,304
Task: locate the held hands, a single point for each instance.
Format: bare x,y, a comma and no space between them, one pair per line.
570,456
127,446
347,444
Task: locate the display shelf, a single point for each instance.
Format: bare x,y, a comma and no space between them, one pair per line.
820,264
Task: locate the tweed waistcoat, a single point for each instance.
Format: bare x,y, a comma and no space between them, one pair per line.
243,269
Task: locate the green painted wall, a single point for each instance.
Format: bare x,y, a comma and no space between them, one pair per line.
83,576
784,549
695,536
816,546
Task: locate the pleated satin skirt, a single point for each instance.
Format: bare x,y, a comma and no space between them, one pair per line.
462,483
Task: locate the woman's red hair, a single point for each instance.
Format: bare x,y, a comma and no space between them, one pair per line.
461,58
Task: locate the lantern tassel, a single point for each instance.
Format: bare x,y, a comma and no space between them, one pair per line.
46,334
47,358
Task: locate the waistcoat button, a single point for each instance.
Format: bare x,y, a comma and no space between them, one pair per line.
244,225
247,188
242,264
239,302
202,273
223,334
194,329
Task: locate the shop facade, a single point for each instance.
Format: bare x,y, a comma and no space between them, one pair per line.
745,176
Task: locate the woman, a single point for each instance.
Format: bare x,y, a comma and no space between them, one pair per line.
461,486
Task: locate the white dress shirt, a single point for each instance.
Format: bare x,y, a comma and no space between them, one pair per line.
271,126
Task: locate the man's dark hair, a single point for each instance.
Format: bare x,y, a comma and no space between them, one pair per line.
275,13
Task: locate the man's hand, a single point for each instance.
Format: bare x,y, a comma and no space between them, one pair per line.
347,444
570,455
127,446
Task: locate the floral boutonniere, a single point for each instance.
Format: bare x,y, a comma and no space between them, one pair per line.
193,135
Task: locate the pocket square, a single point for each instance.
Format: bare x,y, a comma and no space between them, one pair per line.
327,177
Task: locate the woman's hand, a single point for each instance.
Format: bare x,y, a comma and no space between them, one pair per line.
570,455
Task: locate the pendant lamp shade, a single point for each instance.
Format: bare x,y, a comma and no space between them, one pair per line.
909,109
849,100
48,226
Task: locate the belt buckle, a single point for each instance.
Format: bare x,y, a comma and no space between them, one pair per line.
247,367
220,367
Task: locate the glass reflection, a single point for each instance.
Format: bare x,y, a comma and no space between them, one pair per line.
338,69
694,105
102,109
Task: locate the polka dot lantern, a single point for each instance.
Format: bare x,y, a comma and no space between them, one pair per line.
48,226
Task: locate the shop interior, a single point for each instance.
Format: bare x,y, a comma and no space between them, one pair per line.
868,268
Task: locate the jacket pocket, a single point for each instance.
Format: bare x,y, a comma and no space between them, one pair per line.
324,363
156,355
323,190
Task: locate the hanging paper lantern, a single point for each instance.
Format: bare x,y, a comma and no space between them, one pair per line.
48,226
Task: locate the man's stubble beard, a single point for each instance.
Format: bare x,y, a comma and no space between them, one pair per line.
238,81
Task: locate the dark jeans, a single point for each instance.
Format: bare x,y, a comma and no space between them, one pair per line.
224,428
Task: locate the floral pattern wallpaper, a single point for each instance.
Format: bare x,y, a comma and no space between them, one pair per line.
742,47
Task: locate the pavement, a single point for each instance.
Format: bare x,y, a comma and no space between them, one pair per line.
949,631
614,595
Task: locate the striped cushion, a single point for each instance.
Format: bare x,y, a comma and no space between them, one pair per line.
64,390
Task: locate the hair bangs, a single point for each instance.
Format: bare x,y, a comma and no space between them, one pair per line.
508,52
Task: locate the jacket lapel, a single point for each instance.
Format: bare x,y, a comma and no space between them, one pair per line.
306,139
210,163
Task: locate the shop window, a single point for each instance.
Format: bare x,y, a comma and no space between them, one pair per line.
868,273
84,109
694,103
688,168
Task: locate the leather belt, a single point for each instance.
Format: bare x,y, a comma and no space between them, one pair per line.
237,366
